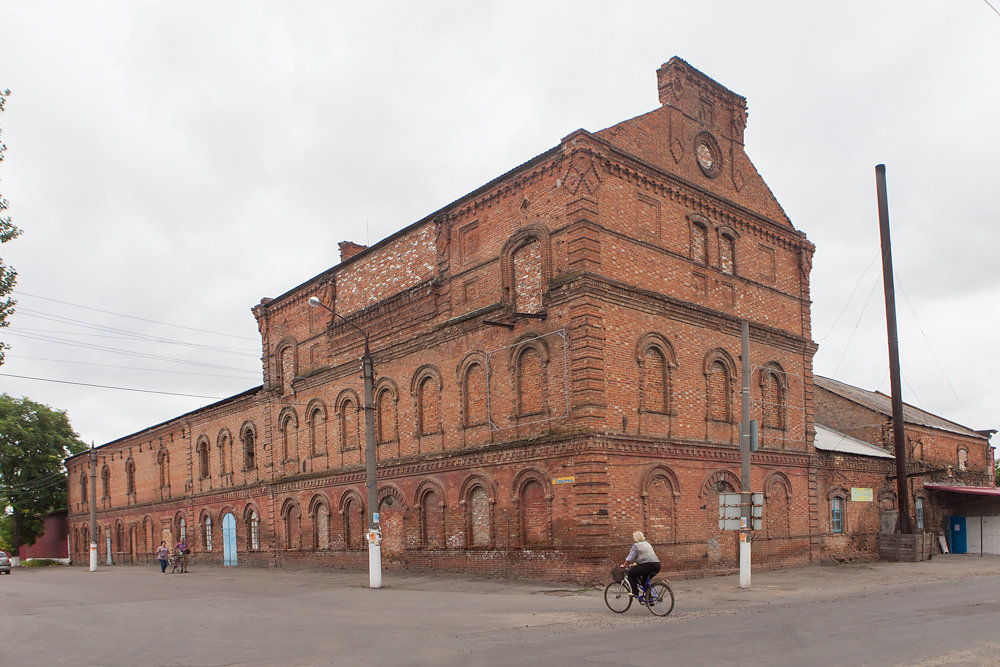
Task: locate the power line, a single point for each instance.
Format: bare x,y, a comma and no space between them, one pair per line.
132,317
249,374
992,7
132,334
104,386
849,299
857,324
114,350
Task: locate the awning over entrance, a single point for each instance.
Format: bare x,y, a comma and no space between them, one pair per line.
971,490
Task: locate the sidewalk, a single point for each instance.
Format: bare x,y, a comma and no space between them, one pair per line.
798,584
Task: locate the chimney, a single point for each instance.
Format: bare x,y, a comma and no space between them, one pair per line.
349,249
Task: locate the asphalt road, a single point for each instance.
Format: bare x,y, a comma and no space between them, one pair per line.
946,611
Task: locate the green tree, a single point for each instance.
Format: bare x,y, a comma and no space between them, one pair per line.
34,442
8,276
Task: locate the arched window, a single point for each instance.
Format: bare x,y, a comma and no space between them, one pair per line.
349,424
474,395
182,529
83,488
658,503
432,519
203,458
163,463
479,517
526,266
655,358
963,459
530,381
718,392
285,429
224,453
317,429
385,416
727,253
130,476
526,262
249,450
119,537
534,514
291,521
286,368
321,526
354,528
837,515
777,507
699,242
773,402
428,396
918,506
106,483
206,532
253,530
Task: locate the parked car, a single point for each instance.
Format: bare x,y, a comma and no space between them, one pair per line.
4,563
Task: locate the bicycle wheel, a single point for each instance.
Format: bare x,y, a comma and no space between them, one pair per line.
617,598
660,599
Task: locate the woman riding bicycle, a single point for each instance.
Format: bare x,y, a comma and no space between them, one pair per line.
641,562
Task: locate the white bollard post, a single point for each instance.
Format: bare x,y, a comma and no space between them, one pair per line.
744,560
374,559
93,556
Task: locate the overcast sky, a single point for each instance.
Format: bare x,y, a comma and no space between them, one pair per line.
174,162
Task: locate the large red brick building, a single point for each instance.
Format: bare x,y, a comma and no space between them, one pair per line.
558,365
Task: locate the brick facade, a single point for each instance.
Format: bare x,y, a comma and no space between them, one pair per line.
557,359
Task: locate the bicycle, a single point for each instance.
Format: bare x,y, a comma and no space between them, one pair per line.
655,595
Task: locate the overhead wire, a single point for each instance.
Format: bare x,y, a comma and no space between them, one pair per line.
104,386
131,317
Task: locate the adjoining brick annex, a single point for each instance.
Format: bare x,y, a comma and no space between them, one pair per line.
558,365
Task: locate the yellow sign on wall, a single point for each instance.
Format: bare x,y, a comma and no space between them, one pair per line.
862,495
564,480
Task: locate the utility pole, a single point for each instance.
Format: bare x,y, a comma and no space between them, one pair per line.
92,492
374,535
746,497
904,524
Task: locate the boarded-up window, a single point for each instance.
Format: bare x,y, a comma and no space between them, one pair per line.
223,454
292,528
727,254
317,432
773,401
429,406
392,525
527,266
655,379
287,370
386,416
433,519
202,459
530,382
776,512
659,510
718,392
479,517
354,529
475,395
534,514
322,523
699,243
349,425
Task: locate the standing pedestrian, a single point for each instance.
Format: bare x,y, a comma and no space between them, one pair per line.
162,554
182,547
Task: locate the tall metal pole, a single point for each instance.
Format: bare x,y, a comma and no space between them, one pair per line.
904,524
92,492
374,532
746,497
374,535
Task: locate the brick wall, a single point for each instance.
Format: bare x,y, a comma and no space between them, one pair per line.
546,349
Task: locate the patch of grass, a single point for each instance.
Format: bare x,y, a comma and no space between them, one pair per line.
40,562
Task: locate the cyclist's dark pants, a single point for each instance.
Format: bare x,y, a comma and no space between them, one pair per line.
641,573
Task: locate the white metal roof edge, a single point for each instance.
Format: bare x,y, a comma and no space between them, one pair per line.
828,440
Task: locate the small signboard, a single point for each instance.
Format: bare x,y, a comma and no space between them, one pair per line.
564,480
862,495
731,514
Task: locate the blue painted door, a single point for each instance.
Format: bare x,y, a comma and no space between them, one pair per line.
956,527
229,540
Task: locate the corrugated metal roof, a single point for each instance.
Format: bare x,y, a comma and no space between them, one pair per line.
828,440
879,402
972,490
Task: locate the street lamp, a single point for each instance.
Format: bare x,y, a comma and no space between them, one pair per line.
374,535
